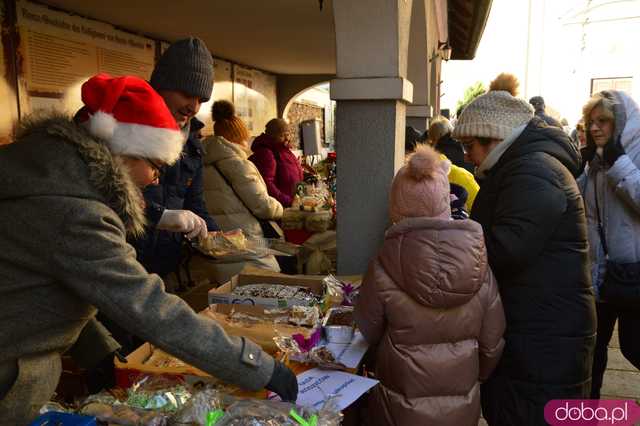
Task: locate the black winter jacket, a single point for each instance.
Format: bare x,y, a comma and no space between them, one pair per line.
180,188
534,222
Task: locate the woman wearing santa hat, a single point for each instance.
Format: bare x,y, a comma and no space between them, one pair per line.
70,197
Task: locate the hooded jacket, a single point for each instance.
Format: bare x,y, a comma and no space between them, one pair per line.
235,192
430,306
532,214
618,194
278,166
66,206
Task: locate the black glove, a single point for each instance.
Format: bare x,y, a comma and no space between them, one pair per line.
283,382
103,376
612,151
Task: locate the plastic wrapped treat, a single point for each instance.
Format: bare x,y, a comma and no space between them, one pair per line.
339,325
106,408
318,221
271,413
340,292
195,411
293,219
158,393
308,316
293,295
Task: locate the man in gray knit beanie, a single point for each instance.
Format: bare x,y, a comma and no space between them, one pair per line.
175,207
184,78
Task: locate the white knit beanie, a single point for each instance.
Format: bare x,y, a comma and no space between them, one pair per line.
495,114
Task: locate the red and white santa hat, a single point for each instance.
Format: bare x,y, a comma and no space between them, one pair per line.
131,118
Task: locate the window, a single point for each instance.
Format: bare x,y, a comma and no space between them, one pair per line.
624,84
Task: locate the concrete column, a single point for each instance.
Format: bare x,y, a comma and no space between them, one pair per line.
371,91
419,111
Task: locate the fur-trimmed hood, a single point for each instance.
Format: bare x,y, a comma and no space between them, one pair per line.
52,156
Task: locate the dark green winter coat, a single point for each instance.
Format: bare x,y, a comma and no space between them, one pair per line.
66,207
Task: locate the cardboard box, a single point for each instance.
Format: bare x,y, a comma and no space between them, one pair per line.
196,297
135,367
127,373
261,333
222,294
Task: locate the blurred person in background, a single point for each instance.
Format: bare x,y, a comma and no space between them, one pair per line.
610,186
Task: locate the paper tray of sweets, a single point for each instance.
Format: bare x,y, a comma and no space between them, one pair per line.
234,246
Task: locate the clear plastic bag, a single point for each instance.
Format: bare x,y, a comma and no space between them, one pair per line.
340,292
272,413
195,411
108,409
158,393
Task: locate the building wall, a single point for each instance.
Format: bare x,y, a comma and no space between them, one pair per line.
599,41
434,70
554,48
299,112
50,37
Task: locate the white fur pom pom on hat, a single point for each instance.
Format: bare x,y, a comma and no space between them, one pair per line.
102,125
421,187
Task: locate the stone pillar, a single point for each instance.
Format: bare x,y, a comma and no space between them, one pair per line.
419,112
371,91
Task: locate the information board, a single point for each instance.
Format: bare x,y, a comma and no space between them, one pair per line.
59,51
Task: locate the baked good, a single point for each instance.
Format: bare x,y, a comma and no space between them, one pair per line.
219,244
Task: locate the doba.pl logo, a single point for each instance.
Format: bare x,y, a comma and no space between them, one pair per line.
591,412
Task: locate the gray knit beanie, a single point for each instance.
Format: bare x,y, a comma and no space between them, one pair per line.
186,66
495,114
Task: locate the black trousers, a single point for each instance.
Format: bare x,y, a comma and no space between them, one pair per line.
628,329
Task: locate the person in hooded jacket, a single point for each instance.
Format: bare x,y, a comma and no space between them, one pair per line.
430,306
534,223
234,190
278,166
610,186
71,196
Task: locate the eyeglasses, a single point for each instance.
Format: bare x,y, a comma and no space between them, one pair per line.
157,168
599,122
467,144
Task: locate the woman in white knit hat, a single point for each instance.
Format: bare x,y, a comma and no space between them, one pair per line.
533,219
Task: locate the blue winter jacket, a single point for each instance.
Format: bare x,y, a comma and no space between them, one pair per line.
180,188
618,193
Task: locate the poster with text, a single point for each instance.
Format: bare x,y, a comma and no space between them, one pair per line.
59,51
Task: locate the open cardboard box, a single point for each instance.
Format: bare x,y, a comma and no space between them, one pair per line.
135,367
222,294
262,332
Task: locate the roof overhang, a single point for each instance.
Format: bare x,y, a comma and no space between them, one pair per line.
467,19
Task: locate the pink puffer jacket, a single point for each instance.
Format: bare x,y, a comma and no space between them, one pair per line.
430,304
